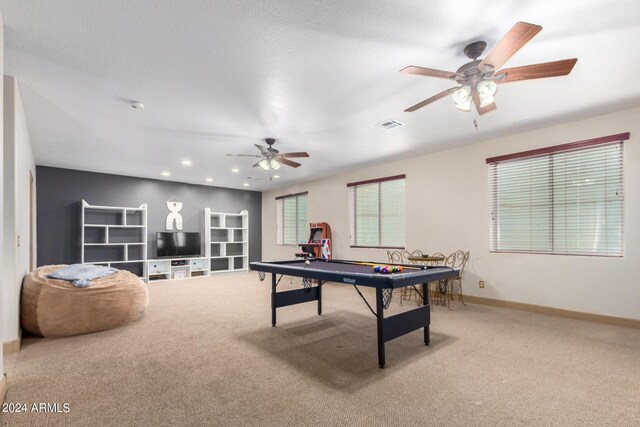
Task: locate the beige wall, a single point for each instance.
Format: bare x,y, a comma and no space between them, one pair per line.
1,198
447,209
18,163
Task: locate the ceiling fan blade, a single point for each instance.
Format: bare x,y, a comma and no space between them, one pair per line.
263,149
432,99
486,108
244,155
517,37
429,72
537,71
298,154
256,164
288,163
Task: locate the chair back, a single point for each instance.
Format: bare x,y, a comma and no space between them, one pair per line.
394,257
450,260
461,260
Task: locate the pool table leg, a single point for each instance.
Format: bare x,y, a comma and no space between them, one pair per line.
273,299
380,319
319,298
425,301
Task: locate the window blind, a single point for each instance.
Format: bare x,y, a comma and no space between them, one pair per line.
377,212
292,219
564,202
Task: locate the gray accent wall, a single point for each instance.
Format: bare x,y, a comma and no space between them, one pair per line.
60,192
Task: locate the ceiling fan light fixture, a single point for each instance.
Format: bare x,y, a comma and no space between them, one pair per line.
264,164
462,98
488,100
275,165
486,89
462,95
464,106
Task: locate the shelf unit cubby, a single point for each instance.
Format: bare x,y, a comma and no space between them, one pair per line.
226,240
114,236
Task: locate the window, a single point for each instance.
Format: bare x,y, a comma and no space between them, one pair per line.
559,200
293,227
376,212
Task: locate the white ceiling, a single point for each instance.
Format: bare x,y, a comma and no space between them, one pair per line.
216,77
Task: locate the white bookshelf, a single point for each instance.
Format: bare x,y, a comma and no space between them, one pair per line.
114,236
226,241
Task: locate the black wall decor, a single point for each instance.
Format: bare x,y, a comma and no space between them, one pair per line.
60,192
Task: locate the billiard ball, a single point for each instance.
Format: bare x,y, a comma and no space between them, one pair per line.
307,262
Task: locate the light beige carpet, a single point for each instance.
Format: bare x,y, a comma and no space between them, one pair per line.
205,354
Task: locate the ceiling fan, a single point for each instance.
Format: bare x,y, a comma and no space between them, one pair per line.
477,80
272,159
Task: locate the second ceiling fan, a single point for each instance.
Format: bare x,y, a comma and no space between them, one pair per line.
477,80
272,159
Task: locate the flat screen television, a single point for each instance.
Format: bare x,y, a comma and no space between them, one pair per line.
177,244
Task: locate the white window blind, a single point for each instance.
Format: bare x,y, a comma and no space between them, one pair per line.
293,227
566,201
377,212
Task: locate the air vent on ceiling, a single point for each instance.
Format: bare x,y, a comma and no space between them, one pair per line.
390,124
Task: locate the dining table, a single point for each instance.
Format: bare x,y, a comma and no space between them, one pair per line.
438,295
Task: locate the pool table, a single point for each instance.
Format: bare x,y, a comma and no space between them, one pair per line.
357,273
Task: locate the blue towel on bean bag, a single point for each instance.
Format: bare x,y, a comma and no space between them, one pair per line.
80,275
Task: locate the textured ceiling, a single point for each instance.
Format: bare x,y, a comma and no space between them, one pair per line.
216,77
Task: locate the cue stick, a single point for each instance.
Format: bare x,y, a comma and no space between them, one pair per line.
371,264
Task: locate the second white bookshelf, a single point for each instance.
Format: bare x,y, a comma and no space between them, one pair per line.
226,240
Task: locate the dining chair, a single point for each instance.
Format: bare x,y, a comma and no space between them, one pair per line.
444,286
408,293
395,257
436,294
461,258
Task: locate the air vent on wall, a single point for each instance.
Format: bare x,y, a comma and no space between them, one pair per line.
390,124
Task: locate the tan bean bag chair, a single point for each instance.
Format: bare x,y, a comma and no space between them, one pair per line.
56,308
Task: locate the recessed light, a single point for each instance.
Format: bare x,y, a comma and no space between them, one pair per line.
186,162
246,184
165,173
209,179
235,170
276,176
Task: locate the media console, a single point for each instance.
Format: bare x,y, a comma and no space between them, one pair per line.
176,268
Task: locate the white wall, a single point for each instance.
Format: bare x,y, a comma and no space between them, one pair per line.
18,164
447,209
1,188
